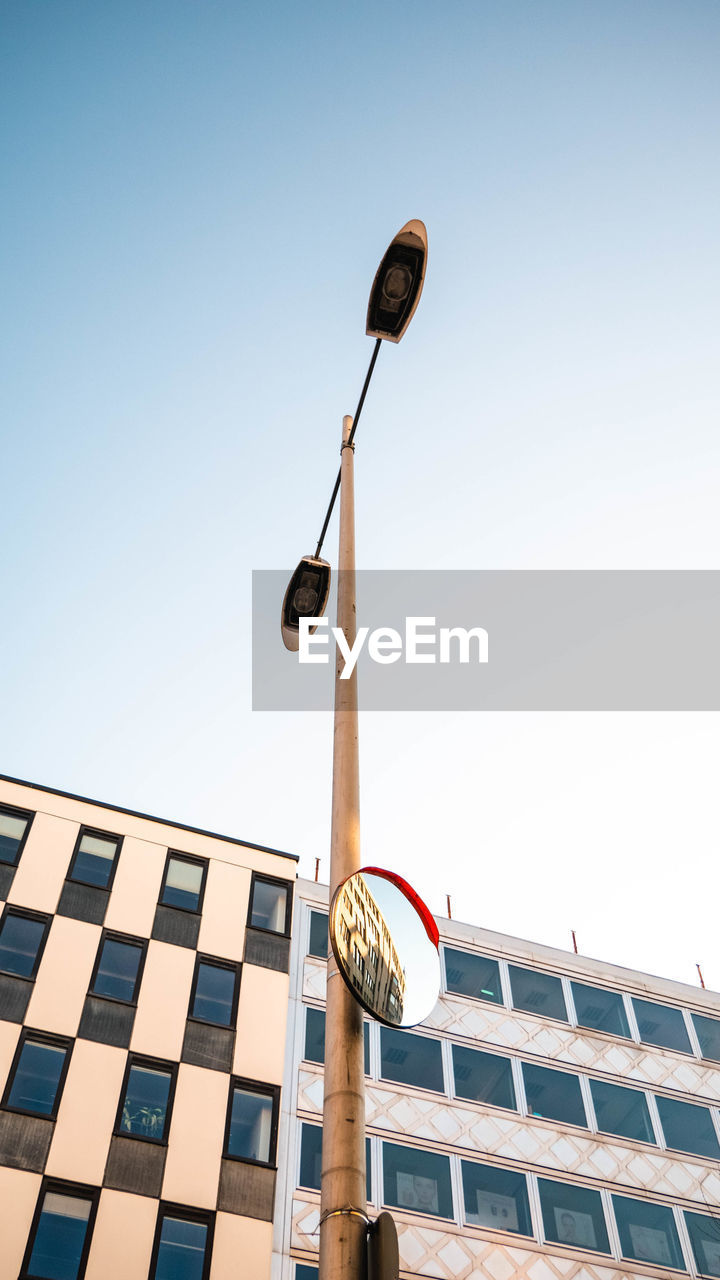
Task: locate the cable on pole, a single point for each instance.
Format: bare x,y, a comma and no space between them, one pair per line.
348,443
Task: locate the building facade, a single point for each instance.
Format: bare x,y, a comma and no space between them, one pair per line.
143,1003
554,1117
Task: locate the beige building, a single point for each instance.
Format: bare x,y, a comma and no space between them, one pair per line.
143,1001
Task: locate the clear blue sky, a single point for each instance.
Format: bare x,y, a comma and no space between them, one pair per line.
196,198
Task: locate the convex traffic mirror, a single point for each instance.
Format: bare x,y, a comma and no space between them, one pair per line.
306,597
385,942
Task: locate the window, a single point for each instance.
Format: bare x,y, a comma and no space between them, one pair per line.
708,1033
303,1272
471,975
537,993
60,1235
573,1216
662,1026
648,1232
495,1198
688,1128
311,1159
146,1100
215,991
95,858
183,1244
555,1095
184,882
601,1010
37,1074
315,1038
14,828
318,935
22,939
118,968
417,1180
411,1059
270,903
483,1077
704,1235
621,1111
251,1131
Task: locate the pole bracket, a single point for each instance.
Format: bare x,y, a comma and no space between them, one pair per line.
347,444
348,1211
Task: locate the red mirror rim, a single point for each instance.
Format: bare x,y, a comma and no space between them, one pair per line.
413,898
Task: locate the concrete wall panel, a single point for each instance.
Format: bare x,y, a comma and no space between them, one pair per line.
136,887
227,893
163,1003
87,1112
263,1003
192,1169
123,1237
18,1197
44,862
64,975
242,1246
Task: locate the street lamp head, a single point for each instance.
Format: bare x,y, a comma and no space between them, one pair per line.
306,597
398,284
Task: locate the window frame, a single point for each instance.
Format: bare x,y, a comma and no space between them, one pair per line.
401,1085
112,935
670,1008
458,1096
150,1064
13,811
259,877
186,1213
77,1191
540,1012
42,917
233,966
196,861
102,835
530,1065
266,1091
38,1037
473,955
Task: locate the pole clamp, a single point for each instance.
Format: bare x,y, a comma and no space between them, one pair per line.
347,1212
347,444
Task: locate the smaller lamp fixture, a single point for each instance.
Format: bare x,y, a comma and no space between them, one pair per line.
398,284
306,597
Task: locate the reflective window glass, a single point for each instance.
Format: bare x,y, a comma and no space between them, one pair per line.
37,1077
21,938
708,1033
555,1095
60,1237
94,859
483,1077
688,1127
418,1181
181,1249
250,1135
601,1010
496,1198
318,935
303,1272
145,1106
573,1216
648,1232
621,1111
214,993
118,968
311,1159
13,829
269,906
315,1038
660,1025
183,884
705,1240
411,1059
537,993
472,975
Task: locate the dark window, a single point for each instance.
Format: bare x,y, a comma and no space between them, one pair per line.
303,1272
708,1033
14,827
37,1075
95,858
661,1025
146,1100
214,996
183,1244
61,1231
184,882
318,935
496,1198
315,1038
555,1095
118,968
270,903
687,1127
621,1111
471,975
537,993
648,1232
573,1216
411,1059
22,938
705,1240
483,1077
601,1010
418,1181
311,1159
251,1132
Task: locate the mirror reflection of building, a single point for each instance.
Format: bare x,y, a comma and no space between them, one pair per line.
369,954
